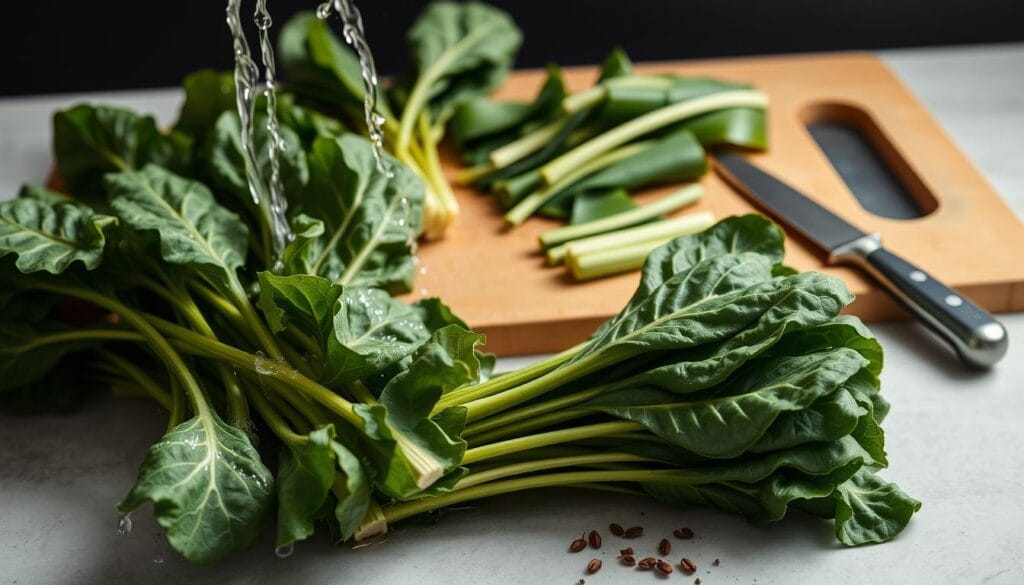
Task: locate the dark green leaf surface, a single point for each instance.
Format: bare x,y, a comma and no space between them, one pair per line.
461,50
371,331
223,158
193,229
208,487
306,301
368,220
870,509
304,479
45,233
738,412
208,94
90,141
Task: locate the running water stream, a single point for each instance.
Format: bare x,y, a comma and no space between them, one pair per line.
267,192
355,36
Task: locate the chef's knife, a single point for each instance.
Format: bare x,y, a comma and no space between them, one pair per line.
977,337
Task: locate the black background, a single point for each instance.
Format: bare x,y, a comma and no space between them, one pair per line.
61,45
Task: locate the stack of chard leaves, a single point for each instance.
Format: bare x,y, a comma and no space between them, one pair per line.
728,380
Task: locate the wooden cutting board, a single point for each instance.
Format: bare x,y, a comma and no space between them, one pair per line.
497,281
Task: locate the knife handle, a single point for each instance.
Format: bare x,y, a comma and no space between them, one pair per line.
978,338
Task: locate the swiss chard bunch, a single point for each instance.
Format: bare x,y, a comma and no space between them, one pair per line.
460,51
144,273
728,380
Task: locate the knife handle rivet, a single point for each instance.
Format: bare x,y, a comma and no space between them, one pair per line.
954,301
918,276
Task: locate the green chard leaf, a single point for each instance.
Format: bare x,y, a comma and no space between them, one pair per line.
193,229
870,509
481,124
446,362
90,141
318,66
223,158
733,416
371,331
306,301
310,471
47,233
461,50
208,94
595,205
367,219
827,419
209,489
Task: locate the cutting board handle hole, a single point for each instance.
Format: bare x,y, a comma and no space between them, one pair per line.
867,161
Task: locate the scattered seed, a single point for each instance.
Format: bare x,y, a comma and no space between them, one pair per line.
595,539
664,547
634,532
716,563
626,551
647,564
594,565
628,560
684,533
695,581
664,567
616,529
687,565
582,582
578,545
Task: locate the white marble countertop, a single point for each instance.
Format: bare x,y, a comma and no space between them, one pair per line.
954,440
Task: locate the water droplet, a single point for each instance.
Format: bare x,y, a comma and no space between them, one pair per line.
424,292
263,20
124,524
159,560
283,552
423,270
262,364
323,11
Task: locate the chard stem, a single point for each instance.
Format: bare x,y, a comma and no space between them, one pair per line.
144,380
506,381
525,145
549,438
657,233
523,427
502,421
534,201
649,122
688,195
544,464
401,511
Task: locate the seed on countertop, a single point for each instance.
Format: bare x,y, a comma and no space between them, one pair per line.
615,529
647,564
626,551
595,539
688,565
634,532
664,547
664,567
628,560
594,565
716,563
695,581
683,533
578,545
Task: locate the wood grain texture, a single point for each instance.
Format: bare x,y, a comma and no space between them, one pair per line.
497,281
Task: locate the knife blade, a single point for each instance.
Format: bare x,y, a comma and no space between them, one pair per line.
976,336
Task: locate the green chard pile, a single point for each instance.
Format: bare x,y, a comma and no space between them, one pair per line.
308,397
